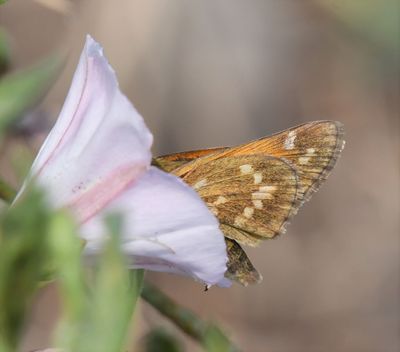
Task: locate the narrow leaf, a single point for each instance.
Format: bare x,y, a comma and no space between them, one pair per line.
21,90
24,258
97,307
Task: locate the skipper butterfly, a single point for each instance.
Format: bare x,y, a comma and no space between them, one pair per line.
255,188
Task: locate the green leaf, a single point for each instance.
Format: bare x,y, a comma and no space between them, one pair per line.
116,291
66,248
21,90
24,256
98,308
3,1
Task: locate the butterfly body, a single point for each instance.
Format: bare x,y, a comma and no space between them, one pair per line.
255,188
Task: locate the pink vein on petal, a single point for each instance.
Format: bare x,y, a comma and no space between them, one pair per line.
92,201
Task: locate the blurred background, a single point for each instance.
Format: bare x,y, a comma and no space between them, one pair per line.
223,72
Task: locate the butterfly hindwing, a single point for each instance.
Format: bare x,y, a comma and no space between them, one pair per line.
252,194
240,267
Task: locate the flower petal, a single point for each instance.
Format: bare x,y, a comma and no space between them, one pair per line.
167,227
99,143
96,160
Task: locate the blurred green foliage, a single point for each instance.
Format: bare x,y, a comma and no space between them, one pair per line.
4,52
24,256
159,339
3,1
216,341
24,229
207,334
379,21
21,90
7,193
98,300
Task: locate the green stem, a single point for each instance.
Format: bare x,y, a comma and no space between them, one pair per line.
206,333
7,193
182,317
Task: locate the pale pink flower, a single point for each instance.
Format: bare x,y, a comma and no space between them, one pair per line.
96,160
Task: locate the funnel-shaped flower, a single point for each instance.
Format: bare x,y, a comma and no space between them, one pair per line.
96,160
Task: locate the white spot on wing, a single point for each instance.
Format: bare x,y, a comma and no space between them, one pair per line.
264,192
304,160
200,184
248,212
239,221
289,141
220,200
257,177
267,189
214,211
261,195
257,203
246,169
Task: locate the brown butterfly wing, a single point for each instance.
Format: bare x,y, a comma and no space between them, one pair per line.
172,162
252,195
312,149
240,268
239,265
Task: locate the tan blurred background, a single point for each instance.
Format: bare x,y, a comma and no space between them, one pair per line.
222,72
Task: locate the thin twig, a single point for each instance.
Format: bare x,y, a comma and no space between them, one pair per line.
182,317
202,331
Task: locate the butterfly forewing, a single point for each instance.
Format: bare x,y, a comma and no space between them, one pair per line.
312,148
172,162
253,194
